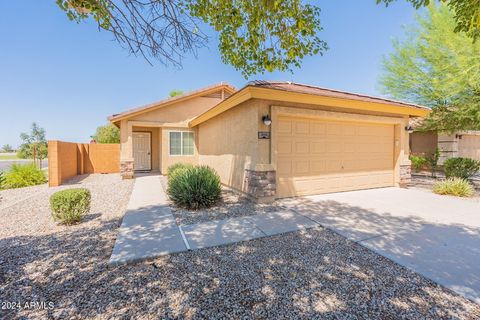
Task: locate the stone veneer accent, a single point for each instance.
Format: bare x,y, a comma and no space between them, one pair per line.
260,184
405,174
126,169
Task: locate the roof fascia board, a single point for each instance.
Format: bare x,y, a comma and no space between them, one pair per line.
237,98
295,97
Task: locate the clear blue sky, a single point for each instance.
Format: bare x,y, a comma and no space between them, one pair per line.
69,77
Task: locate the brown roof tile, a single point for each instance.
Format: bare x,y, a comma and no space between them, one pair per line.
309,89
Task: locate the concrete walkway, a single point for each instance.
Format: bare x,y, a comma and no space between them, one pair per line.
436,236
149,230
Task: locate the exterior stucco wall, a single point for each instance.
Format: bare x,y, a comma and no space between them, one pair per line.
180,112
469,146
423,143
167,159
228,143
155,144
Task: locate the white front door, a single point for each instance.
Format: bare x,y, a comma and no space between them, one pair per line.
142,151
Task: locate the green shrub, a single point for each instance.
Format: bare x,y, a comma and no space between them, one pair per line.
19,176
68,206
2,180
432,161
463,168
418,162
177,166
195,187
455,187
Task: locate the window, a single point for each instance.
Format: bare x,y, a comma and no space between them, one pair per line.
181,143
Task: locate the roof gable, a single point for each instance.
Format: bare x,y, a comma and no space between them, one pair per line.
307,94
219,91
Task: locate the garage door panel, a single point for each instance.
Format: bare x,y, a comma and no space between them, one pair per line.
318,128
284,168
317,156
318,146
285,147
284,126
301,127
301,168
302,147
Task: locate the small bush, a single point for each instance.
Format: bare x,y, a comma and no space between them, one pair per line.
463,168
68,206
19,176
195,187
2,180
177,166
418,162
432,161
455,187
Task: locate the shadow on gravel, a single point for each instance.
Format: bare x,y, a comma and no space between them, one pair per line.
314,273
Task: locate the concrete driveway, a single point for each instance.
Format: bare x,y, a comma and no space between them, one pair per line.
436,236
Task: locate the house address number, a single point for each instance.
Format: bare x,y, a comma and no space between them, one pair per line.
263,135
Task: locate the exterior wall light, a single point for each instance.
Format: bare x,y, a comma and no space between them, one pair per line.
267,120
409,129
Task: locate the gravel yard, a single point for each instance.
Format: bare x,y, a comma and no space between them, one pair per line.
306,274
233,204
9,197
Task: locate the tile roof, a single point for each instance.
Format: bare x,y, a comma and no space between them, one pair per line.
309,89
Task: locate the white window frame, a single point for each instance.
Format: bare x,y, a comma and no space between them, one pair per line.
181,143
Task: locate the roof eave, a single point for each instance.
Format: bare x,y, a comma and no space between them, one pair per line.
249,92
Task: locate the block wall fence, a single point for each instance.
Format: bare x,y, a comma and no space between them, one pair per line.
67,160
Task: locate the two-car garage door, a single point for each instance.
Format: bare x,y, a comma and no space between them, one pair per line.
318,156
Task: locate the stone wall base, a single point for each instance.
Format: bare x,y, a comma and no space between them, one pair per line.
260,185
126,169
405,175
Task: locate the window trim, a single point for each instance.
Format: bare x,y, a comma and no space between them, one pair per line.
181,143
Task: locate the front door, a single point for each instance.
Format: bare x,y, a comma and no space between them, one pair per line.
142,151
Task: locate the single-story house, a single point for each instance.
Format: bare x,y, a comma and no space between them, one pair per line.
464,144
274,139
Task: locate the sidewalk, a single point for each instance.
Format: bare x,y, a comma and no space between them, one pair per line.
149,230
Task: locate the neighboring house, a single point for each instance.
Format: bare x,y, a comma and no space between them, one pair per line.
459,144
274,139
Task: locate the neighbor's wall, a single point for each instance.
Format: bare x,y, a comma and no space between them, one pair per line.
469,146
228,143
67,159
62,162
167,159
423,143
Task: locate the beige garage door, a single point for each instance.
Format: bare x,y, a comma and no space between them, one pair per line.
318,156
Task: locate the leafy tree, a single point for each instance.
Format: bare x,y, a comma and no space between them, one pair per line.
34,144
437,67
254,36
7,148
107,134
466,14
175,92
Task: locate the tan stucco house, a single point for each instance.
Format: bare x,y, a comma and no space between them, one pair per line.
274,139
